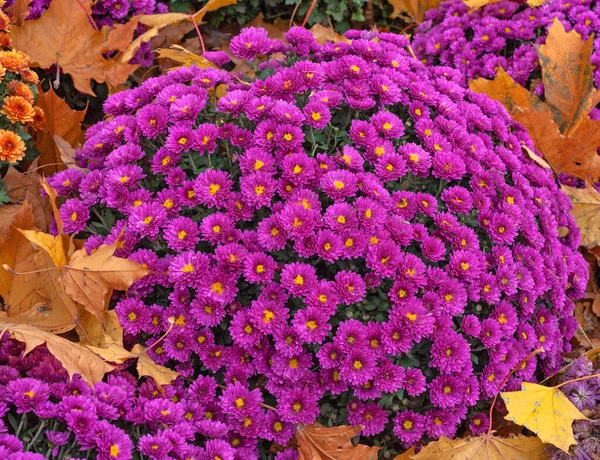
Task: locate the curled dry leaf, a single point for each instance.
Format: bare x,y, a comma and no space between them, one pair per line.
484,448
87,279
156,22
61,120
586,211
316,442
546,411
27,186
147,367
416,9
59,247
64,36
560,128
75,358
30,290
567,75
184,57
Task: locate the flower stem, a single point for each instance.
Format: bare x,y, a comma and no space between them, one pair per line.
34,439
531,355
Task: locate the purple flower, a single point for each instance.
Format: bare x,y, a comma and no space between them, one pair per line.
409,426
250,42
27,393
298,406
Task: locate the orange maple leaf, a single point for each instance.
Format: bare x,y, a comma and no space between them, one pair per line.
64,36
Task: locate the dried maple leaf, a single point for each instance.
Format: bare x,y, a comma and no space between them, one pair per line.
560,128
146,367
316,442
416,9
324,34
480,3
586,211
184,57
30,289
64,36
486,447
87,279
95,333
75,358
156,22
567,76
27,186
546,411
59,247
61,120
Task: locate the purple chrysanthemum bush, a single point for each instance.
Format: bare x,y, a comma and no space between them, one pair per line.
505,35
349,237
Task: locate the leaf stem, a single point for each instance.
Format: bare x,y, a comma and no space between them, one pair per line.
198,32
531,355
585,377
160,339
13,272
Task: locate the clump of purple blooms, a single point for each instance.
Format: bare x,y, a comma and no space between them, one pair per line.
110,12
585,395
501,35
505,35
349,237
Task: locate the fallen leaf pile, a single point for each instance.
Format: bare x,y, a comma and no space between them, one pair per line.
49,286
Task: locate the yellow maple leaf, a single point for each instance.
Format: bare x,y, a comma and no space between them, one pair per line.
486,447
156,22
546,411
87,279
75,358
146,367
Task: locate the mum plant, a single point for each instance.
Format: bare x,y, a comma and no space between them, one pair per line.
18,116
501,35
350,236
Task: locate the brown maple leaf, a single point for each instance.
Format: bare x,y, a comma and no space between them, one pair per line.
485,447
560,127
28,186
61,120
88,279
30,288
63,36
416,9
316,442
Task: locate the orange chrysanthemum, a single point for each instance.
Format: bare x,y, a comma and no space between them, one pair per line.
4,21
18,88
17,109
39,119
5,40
14,61
30,76
12,147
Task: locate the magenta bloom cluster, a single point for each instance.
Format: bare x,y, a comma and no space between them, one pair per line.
110,12
505,35
501,35
44,415
350,237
